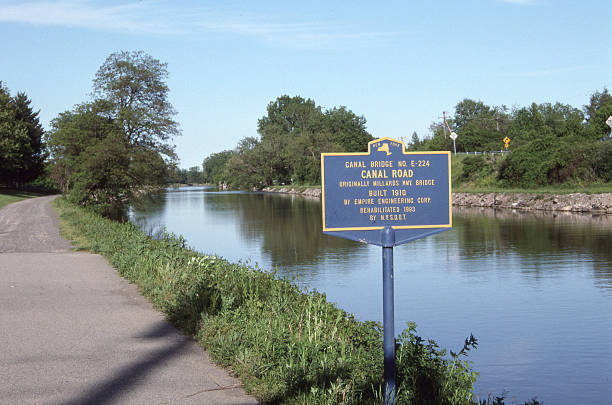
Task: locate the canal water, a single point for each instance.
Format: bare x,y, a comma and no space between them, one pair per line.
534,288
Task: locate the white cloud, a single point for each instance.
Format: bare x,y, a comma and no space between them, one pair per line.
75,14
162,18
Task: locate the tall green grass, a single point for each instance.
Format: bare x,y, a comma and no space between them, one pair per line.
287,346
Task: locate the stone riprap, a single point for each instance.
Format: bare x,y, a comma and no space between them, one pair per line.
575,202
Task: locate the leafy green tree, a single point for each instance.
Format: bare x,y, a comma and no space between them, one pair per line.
33,161
415,142
76,139
21,148
437,140
597,112
293,135
347,130
248,168
478,126
132,88
130,117
214,167
597,101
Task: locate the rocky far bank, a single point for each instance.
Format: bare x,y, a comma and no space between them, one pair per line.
575,202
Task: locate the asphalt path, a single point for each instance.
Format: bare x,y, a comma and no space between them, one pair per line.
72,331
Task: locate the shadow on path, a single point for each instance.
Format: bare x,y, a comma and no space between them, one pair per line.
106,391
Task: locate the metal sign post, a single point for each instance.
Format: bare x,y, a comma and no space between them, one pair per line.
453,137
388,239
386,197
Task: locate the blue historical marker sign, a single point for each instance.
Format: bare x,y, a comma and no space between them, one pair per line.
386,197
386,187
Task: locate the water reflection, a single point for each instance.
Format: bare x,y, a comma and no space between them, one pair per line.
288,238
540,238
286,230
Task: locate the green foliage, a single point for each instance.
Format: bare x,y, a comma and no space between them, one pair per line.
288,346
21,148
551,144
427,377
103,150
415,143
528,165
214,166
293,135
597,112
480,170
133,90
547,160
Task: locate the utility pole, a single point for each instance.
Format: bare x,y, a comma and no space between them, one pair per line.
445,124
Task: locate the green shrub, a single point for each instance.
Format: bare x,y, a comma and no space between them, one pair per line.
528,165
550,160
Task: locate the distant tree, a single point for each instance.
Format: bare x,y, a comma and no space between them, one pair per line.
34,161
214,167
247,167
476,125
347,130
293,135
597,112
194,175
415,142
597,101
545,120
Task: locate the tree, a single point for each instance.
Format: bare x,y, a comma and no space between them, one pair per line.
597,101
415,142
347,130
295,132
86,148
247,167
131,86
21,148
104,149
478,125
597,112
213,167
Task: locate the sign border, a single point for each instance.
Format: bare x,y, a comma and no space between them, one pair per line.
368,153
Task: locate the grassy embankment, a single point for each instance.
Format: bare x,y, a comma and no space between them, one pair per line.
8,196
287,346
483,179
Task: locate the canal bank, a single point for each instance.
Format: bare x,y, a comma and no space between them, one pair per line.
574,202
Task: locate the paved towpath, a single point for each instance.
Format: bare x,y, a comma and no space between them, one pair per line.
72,331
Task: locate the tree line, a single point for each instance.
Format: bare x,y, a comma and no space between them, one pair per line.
549,143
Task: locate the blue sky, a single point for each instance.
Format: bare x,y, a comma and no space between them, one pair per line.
398,63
